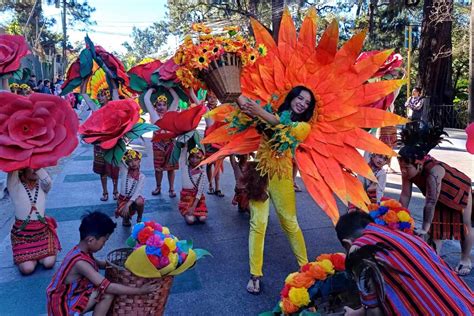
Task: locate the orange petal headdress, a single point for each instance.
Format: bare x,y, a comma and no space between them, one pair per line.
328,157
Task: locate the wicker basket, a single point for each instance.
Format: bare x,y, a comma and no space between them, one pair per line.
149,304
223,77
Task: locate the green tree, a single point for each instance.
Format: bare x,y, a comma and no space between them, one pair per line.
148,40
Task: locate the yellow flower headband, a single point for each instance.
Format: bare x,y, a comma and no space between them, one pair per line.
162,98
196,151
105,92
132,154
14,85
24,86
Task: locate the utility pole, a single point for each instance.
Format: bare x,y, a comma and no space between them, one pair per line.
408,46
471,67
64,61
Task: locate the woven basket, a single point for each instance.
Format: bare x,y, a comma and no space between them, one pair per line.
149,304
223,77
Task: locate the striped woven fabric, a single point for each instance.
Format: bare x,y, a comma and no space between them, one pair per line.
69,299
37,240
186,200
428,287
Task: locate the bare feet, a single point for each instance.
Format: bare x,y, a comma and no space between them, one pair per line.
202,219
463,268
190,219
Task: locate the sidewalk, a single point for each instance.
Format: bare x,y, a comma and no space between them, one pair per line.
216,286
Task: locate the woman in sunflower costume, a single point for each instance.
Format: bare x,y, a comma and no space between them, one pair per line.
305,101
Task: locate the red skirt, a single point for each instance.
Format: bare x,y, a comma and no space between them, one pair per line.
162,151
241,199
447,224
187,199
388,135
102,167
121,202
34,242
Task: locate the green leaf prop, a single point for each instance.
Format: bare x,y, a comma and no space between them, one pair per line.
85,58
138,84
201,95
200,253
114,155
90,45
139,129
175,154
182,105
76,82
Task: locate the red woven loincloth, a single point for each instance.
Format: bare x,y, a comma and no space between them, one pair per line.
447,224
241,199
162,151
186,200
102,167
122,200
36,241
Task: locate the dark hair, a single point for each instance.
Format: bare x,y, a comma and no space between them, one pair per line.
286,105
417,88
96,224
350,225
255,183
418,139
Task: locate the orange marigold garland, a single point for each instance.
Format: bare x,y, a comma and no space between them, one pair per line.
295,295
392,214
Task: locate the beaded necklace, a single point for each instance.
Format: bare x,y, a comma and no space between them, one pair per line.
128,192
195,184
33,197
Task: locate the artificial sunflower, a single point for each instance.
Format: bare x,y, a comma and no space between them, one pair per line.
200,61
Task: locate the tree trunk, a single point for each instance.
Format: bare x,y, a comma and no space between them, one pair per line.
471,67
64,61
277,12
435,62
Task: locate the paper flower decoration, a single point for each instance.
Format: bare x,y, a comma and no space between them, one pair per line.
295,294
113,126
140,75
158,253
392,214
12,49
327,158
174,124
35,131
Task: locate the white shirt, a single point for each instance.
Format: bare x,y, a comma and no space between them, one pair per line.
137,190
21,202
186,182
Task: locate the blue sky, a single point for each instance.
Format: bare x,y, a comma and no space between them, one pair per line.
115,20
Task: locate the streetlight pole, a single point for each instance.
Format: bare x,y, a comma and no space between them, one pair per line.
408,46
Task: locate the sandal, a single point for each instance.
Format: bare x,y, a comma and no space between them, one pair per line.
297,188
255,285
211,191
219,193
139,219
463,269
126,222
115,195
157,191
172,194
190,219
105,197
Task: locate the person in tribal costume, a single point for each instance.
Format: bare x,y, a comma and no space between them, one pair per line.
130,200
78,287
398,273
448,210
162,147
304,101
192,201
33,235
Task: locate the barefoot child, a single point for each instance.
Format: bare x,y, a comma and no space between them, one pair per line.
240,199
33,234
78,287
132,180
375,190
192,204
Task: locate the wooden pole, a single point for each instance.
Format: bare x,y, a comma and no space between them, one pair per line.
409,61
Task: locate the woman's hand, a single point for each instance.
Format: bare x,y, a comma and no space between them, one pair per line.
251,108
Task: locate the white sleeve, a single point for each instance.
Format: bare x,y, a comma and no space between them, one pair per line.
149,106
139,187
45,180
382,180
12,179
91,104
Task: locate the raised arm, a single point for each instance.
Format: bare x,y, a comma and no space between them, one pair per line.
91,104
174,105
433,189
45,180
149,106
193,96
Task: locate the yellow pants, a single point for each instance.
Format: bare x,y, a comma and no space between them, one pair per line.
283,197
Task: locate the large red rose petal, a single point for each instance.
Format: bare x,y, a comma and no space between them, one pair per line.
35,131
179,123
470,138
113,63
12,49
145,71
108,124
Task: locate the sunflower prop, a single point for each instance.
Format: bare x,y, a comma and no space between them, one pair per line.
327,155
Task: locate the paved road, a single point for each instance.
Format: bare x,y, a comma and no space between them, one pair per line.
217,285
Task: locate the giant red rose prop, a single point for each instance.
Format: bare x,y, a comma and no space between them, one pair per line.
108,124
113,63
470,138
35,131
168,71
179,123
12,49
145,71
393,62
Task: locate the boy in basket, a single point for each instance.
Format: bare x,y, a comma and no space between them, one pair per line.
78,287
